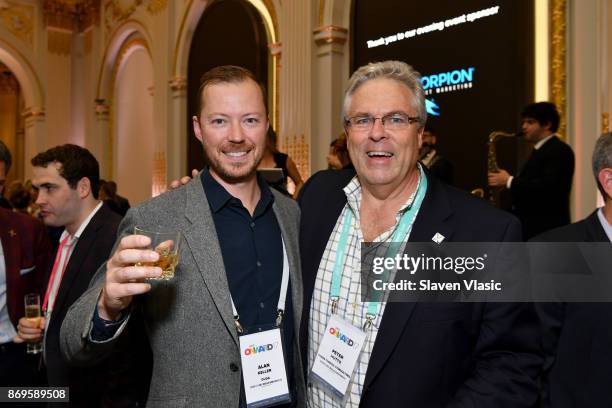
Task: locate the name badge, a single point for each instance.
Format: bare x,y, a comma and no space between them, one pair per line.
338,355
263,369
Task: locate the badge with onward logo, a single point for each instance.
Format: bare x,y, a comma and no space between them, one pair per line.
337,356
263,369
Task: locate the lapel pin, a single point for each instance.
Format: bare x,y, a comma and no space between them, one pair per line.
12,233
438,238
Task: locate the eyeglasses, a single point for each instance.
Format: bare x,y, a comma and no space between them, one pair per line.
390,121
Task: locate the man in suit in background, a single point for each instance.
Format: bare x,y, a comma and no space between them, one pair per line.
437,164
66,178
234,227
415,354
541,189
25,253
577,336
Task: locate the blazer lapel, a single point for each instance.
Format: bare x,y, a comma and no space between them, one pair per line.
430,220
201,237
78,256
282,216
595,232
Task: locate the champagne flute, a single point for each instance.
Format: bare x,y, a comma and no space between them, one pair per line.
32,312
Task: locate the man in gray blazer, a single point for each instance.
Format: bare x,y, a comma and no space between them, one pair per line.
239,246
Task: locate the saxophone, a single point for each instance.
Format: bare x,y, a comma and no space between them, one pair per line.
494,193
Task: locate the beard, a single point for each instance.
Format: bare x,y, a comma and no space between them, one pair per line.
233,172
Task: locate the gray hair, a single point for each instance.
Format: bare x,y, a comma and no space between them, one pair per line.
5,156
397,70
602,159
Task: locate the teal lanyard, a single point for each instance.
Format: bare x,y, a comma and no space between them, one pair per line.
406,220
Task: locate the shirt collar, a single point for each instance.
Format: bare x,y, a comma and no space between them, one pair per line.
541,142
83,225
218,197
604,223
353,194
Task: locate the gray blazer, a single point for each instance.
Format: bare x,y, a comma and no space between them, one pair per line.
189,319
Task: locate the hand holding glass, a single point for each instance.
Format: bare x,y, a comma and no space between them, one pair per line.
32,312
166,244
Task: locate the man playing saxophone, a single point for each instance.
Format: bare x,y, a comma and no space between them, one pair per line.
540,189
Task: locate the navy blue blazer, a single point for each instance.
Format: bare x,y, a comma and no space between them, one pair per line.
434,354
577,337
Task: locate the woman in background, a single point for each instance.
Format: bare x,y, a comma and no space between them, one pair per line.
338,157
274,159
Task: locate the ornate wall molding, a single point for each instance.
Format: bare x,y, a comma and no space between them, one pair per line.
19,21
117,11
157,6
70,15
558,61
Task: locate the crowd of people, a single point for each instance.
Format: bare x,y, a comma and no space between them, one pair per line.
263,276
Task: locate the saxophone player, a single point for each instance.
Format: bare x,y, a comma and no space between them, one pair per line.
541,188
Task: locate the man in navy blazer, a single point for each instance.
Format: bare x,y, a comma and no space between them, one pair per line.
417,354
577,336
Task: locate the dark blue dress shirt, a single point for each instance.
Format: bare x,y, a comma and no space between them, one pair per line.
252,251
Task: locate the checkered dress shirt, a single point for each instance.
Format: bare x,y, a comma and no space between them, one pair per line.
350,306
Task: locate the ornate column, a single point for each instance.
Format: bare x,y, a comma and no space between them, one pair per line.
101,145
175,160
35,130
330,59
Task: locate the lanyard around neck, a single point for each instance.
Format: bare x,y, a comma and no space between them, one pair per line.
281,297
400,234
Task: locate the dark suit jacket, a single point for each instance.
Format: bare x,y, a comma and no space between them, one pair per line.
102,384
541,189
434,354
27,254
577,337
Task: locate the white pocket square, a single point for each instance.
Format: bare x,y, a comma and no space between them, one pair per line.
27,270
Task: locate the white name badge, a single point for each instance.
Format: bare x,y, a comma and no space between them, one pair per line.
263,369
338,355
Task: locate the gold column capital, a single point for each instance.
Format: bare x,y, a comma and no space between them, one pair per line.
102,108
33,112
178,83
275,48
330,34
